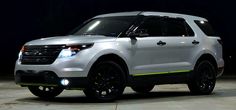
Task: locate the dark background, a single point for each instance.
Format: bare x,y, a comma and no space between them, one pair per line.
24,20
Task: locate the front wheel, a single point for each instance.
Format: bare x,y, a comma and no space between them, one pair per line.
204,78
45,92
106,81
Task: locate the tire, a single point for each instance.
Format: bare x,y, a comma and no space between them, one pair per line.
45,92
106,81
204,78
143,89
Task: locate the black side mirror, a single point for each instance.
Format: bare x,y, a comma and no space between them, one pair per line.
138,33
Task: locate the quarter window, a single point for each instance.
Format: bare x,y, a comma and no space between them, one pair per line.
206,28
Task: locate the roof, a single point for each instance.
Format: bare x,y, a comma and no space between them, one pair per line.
149,13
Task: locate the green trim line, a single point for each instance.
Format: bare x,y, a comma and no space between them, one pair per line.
155,73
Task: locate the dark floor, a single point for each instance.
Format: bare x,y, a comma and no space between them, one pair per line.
163,97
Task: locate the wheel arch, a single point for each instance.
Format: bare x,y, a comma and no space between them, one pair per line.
207,57
113,57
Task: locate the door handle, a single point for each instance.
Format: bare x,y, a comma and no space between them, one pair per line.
195,42
161,43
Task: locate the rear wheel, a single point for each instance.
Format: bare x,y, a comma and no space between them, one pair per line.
106,81
204,78
45,91
143,88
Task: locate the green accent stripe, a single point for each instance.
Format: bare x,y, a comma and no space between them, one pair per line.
180,71
155,73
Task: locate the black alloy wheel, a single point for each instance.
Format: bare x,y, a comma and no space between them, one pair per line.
106,81
45,92
204,78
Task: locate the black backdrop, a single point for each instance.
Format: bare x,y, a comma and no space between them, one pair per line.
24,20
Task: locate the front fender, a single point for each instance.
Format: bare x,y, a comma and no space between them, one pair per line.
106,52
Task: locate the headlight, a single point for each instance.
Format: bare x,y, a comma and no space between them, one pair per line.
20,53
72,50
67,53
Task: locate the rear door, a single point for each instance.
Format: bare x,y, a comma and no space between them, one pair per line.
181,44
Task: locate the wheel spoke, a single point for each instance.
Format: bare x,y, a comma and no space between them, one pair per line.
44,88
51,88
107,91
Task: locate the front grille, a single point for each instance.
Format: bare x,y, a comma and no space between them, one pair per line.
40,54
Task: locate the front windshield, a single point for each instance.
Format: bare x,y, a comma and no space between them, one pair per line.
107,26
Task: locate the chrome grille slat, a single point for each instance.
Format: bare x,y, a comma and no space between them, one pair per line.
40,54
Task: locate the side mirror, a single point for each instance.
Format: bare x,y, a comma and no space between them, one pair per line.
138,33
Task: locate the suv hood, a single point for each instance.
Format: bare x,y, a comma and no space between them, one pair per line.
71,39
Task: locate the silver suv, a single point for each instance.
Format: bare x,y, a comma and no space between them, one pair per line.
111,51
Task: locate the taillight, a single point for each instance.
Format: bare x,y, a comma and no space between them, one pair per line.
220,41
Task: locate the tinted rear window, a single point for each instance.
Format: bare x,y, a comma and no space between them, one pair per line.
175,27
206,28
168,27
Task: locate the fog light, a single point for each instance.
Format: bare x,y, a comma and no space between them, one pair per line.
65,82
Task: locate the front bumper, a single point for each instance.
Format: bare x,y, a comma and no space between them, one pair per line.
75,69
75,66
48,78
